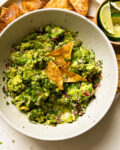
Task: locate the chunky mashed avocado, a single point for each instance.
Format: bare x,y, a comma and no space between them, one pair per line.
34,93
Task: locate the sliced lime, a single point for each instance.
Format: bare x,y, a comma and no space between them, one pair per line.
116,26
117,30
116,18
116,35
105,18
116,5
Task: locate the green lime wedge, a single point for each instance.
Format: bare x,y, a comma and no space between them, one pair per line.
106,19
116,35
116,27
116,5
116,18
117,30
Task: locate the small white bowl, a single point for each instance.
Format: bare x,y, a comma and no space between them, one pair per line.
95,39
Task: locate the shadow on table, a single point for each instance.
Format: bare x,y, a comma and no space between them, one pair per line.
89,139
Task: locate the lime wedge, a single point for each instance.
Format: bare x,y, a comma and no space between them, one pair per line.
116,35
117,30
116,18
116,27
106,19
116,5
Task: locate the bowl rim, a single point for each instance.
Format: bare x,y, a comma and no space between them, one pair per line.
96,22
116,75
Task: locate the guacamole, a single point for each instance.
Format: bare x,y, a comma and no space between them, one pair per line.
37,96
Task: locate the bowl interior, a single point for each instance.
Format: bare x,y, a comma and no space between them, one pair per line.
92,37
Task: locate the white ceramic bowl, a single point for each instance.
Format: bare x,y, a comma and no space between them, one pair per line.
95,39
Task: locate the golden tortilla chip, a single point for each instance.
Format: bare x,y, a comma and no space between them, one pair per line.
54,74
9,14
64,4
67,65
30,5
3,10
71,76
64,51
59,60
81,6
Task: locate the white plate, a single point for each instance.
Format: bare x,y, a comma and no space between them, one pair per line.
95,39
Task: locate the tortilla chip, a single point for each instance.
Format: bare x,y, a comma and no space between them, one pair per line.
60,83
60,60
67,65
9,14
30,5
81,6
64,4
3,10
64,51
71,76
54,74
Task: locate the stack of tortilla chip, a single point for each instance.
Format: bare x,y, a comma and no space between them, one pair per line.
12,12
80,6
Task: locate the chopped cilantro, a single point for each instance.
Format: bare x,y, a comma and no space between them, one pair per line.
7,103
3,78
4,91
3,72
13,141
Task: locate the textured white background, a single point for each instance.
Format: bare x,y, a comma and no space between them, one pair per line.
104,136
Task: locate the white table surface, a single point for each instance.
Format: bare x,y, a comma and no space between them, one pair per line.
104,136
